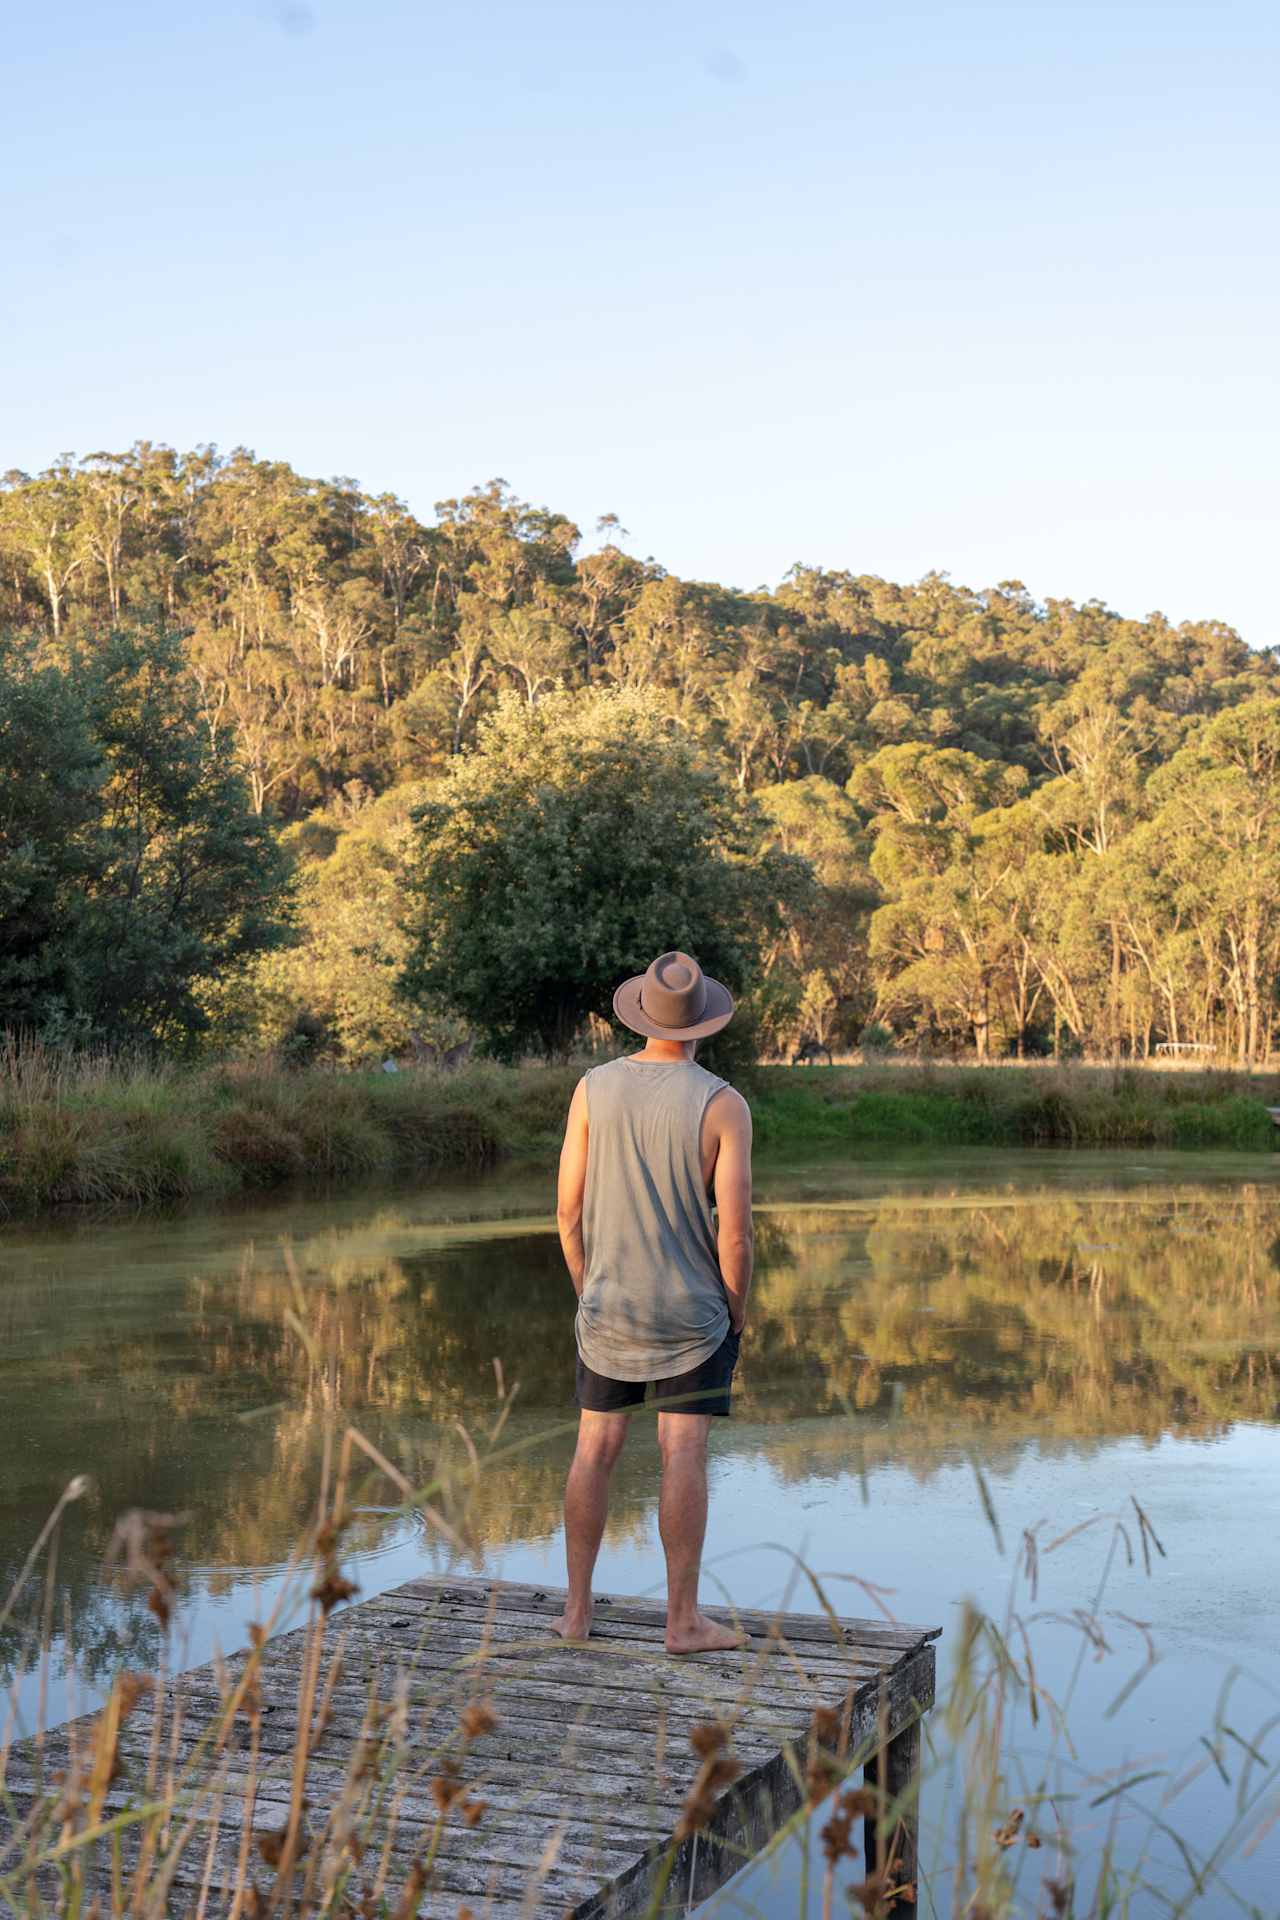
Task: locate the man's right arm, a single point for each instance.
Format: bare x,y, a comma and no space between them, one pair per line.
732,1182
571,1187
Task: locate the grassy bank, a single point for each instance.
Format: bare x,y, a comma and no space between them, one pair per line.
1012,1106
102,1133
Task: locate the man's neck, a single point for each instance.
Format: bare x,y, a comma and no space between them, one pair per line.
667,1050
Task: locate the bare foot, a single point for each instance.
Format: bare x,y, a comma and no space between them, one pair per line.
702,1635
574,1623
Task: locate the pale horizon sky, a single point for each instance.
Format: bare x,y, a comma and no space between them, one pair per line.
985,288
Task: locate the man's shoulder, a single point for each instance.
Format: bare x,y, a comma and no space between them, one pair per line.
605,1070
724,1101
600,1079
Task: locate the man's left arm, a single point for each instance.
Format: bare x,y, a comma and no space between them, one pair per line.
571,1187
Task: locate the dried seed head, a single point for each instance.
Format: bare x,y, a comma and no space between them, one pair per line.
143,1543
332,1590
1006,1835
825,1726
837,1836
719,1769
473,1811
131,1687
837,1839
414,1887
477,1720
446,1788
698,1809
872,1895
271,1845
821,1775
859,1803
721,1772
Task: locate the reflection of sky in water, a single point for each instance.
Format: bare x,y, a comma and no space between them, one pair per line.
1088,1329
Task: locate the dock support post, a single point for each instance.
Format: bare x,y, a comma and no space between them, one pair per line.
892,1773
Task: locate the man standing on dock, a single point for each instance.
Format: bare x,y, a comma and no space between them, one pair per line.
662,1290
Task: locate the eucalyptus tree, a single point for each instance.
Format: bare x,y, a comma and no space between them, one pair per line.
1217,822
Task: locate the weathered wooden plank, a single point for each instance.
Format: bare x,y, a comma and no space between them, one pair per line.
644,1619
584,1748
459,1670
588,1799
457,1591
526,1696
454,1647
503,1784
409,1621
558,1704
505,1755
572,1878
522,1738
583,1776
754,1809
895,1777
424,1626
508,1837
481,1669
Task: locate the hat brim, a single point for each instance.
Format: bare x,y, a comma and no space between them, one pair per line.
718,1013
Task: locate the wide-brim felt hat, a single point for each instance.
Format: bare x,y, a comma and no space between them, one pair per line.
673,999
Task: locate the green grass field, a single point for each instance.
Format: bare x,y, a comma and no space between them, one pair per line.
1012,1106
97,1132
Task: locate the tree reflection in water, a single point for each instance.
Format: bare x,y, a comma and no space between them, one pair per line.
888,1331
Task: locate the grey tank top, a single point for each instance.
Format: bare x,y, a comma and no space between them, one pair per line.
653,1303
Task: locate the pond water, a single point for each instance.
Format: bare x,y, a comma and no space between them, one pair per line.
1070,1332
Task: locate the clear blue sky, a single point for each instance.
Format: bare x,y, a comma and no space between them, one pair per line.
987,288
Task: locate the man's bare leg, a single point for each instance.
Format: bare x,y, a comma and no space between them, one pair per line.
586,1505
682,1522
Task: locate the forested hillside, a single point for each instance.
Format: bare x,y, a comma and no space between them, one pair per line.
1031,824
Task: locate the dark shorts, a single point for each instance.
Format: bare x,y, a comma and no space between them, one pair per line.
703,1389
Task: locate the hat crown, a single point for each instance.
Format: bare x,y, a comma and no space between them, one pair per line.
674,992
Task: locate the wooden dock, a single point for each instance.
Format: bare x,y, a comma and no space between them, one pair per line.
496,1769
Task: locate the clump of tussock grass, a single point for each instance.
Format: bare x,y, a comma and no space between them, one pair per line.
84,1130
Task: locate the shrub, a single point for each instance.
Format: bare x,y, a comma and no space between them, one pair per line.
876,1039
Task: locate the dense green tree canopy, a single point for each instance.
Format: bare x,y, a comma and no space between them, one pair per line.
583,836
131,865
1033,823
50,789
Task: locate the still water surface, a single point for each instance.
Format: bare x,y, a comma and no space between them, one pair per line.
1081,1330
